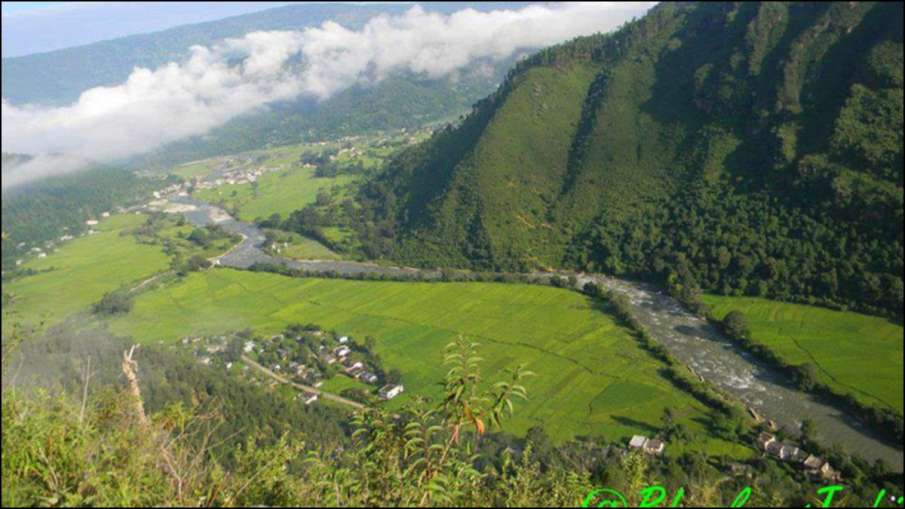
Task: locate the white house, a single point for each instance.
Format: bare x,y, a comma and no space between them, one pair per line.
249,346
343,340
310,397
637,442
390,391
342,351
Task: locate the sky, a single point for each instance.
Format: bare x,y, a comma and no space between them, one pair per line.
235,76
37,27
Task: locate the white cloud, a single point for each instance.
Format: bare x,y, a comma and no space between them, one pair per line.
236,76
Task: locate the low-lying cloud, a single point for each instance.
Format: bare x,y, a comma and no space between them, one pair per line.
236,76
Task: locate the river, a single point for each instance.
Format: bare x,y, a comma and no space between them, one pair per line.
687,337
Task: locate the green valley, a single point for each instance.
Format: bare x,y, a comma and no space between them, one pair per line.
582,359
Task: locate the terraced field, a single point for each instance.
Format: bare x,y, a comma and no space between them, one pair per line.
83,270
854,353
592,379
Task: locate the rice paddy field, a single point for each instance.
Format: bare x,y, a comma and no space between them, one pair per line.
855,354
83,269
591,376
280,192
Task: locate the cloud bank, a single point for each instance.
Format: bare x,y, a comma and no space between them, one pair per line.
236,76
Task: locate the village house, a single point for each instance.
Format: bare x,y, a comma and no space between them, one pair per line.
329,359
343,340
342,351
367,376
248,346
637,442
654,447
310,397
388,392
765,439
650,446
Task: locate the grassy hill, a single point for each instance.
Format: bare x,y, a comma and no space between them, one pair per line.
749,149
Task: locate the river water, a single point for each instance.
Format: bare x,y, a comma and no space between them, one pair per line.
687,337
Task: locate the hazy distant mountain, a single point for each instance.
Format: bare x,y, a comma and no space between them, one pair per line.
38,29
58,77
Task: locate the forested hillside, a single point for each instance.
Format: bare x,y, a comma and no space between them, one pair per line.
745,148
44,210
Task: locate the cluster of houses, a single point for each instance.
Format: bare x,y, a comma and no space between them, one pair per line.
171,190
650,446
49,246
302,358
813,465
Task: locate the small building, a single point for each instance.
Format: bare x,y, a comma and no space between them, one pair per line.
388,392
105,214
637,442
368,377
329,359
812,463
787,452
310,397
353,371
829,473
42,255
764,439
342,351
343,340
91,222
654,446
248,346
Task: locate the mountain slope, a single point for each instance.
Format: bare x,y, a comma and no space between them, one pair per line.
751,148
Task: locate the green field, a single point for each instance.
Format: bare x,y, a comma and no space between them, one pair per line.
302,248
278,192
83,270
592,378
855,354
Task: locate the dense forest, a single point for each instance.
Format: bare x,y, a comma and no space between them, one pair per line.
745,148
46,209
